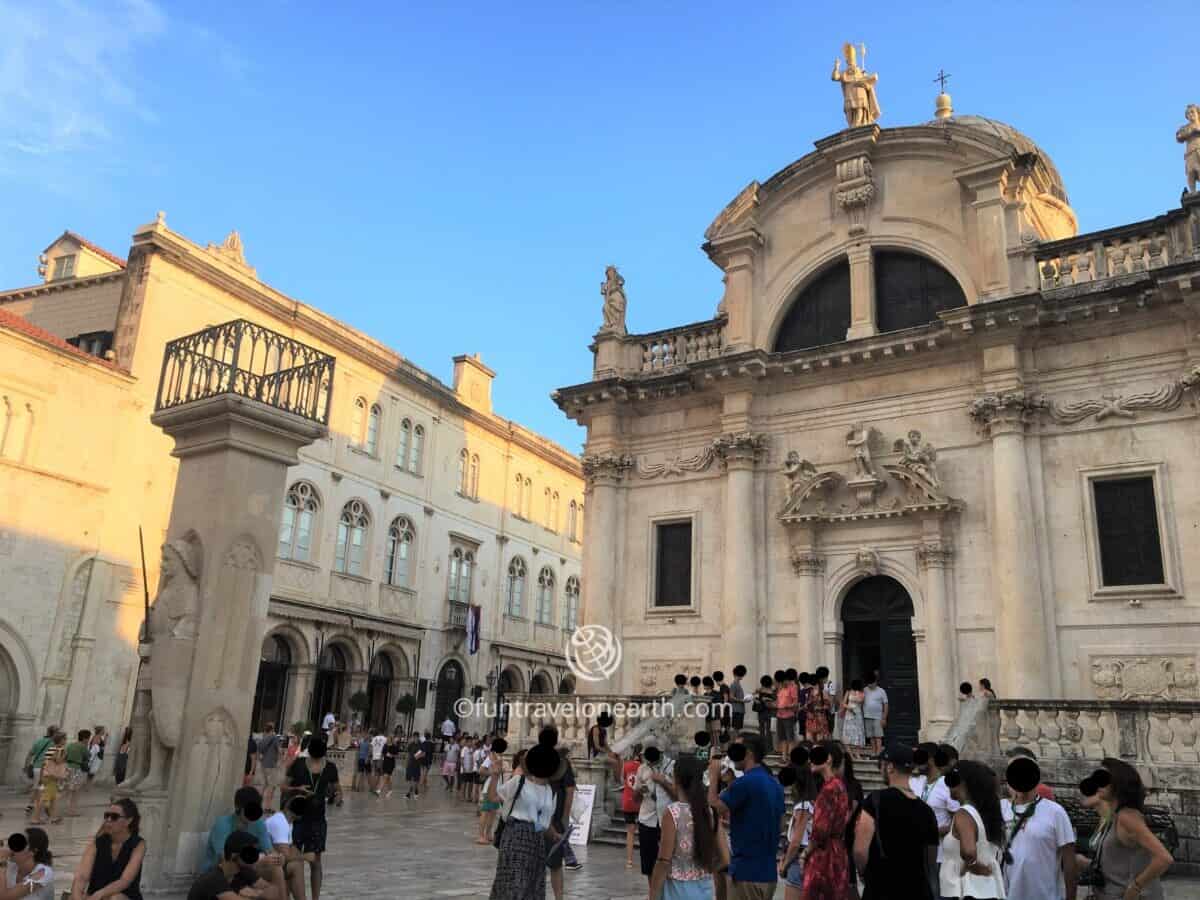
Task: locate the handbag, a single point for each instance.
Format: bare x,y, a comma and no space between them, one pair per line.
504,819
1093,875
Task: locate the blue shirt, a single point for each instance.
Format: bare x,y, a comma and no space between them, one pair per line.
214,848
755,804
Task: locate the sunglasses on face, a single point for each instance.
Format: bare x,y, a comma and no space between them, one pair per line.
112,816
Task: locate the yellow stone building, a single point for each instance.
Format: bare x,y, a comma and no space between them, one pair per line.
421,503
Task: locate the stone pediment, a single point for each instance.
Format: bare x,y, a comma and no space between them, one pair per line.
873,491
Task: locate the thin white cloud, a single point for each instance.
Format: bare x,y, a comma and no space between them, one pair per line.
67,72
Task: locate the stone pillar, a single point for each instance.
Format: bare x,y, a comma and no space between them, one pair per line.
1018,605
809,567
934,558
233,458
740,612
862,293
989,184
599,572
735,254
300,687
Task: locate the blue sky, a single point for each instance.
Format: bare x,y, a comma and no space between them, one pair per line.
453,178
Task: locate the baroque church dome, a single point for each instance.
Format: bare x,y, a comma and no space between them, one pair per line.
1019,142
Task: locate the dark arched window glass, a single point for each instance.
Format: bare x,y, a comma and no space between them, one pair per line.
820,314
911,290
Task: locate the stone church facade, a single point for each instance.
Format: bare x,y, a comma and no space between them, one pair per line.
930,430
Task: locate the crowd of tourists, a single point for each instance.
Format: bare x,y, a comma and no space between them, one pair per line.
732,816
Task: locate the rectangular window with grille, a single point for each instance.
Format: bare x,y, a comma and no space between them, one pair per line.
673,565
1127,526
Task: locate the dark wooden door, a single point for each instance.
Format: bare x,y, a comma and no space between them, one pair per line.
449,689
877,634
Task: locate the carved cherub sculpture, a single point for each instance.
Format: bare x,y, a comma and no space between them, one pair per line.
918,458
798,472
859,440
1189,136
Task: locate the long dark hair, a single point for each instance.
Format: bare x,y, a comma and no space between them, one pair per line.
1127,786
39,843
129,808
983,789
689,775
837,752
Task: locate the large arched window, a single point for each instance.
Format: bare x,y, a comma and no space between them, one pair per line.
358,423
516,586
405,443
351,538
820,314
571,604
300,510
911,290
545,599
371,443
398,557
418,450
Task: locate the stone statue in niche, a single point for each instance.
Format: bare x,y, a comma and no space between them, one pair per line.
858,89
1189,136
918,458
613,292
859,440
173,628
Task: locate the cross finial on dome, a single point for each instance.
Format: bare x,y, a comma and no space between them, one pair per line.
942,107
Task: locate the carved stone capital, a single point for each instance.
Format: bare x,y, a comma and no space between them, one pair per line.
806,562
855,190
935,555
606,468
1005,412
743,449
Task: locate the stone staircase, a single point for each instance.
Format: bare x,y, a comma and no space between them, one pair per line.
610,828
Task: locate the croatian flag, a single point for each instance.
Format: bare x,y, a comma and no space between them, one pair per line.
473,630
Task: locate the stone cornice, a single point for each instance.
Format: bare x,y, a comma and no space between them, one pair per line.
63,284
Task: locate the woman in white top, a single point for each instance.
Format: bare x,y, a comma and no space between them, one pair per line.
803,788
971,851
527,805
26,860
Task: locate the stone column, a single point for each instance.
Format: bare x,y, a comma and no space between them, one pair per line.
1018,605
862,294
740,612
934,558
735,254
300,687
809,567
599,572
989,184
233,457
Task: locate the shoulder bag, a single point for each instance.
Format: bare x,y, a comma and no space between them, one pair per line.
504,819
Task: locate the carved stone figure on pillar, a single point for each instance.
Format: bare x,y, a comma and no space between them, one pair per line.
858,89
1189,136
613,292
859,440
173,624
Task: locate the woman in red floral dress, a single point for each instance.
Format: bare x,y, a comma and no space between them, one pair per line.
817,710
827,868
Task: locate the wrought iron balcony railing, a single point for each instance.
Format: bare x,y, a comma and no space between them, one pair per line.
247,360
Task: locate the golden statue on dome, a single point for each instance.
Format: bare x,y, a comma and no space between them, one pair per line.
858,88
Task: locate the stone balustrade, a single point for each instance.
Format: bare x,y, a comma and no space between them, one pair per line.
1106,255
663,350
1070,737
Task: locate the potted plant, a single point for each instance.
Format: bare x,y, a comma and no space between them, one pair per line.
359,703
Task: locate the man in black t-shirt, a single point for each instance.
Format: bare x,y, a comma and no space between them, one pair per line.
895,835
315,779
234,872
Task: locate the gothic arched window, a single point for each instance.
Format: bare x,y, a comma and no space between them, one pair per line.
516,586
571,604
300,510
351,538
398,557
545,599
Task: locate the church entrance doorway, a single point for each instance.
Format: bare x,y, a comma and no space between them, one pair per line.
877,636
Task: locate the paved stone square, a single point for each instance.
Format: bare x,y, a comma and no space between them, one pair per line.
406,850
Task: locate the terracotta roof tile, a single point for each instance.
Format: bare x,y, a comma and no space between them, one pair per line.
21,325
84,242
